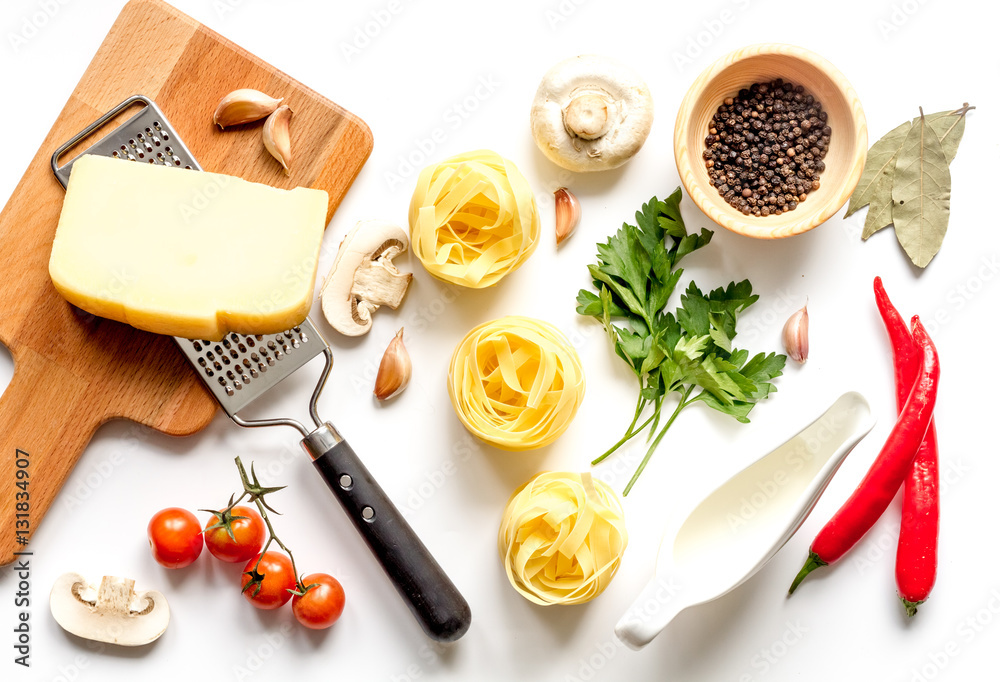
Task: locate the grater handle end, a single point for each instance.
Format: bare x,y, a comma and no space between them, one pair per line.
432,597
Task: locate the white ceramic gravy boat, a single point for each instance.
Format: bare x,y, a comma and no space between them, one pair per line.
734,531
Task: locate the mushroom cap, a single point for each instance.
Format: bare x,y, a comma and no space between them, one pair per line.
611,134
343,304
115,613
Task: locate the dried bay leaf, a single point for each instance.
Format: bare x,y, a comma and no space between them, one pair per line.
881,159
949,126
880,208
921,192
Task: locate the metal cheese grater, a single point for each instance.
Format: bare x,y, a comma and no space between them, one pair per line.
239,369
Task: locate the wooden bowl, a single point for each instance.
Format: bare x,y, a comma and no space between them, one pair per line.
845,159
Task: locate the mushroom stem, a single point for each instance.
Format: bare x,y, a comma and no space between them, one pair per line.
587,116
116,594
114,613
364,277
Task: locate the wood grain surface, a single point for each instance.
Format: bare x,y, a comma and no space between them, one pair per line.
73,371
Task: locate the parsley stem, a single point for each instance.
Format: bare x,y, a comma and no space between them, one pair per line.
629,432
649,453
628,436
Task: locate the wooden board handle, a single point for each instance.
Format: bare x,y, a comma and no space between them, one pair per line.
41,437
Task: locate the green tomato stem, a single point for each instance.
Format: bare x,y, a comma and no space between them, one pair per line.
271,535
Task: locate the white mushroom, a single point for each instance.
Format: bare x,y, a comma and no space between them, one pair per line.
115,613
591,113
363,276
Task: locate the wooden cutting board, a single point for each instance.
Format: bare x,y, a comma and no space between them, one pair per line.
72,371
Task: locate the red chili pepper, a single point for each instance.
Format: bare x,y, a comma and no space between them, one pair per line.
887,472
916,554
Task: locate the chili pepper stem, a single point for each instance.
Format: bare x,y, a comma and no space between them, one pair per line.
910,606
812,563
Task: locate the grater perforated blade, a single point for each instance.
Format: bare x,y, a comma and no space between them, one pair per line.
144,138
239,369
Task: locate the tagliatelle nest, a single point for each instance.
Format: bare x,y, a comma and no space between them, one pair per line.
562,538
516,382
473,219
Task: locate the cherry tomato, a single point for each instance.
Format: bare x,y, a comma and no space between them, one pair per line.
322,604
174,537
246,541
279,578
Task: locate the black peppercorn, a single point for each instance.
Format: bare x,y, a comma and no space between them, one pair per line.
767,127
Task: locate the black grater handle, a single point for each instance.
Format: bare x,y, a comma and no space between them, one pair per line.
432,597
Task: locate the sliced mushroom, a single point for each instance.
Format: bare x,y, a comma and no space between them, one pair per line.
591,113
115,613
363,276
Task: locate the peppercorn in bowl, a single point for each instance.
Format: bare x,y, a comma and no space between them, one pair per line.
770,141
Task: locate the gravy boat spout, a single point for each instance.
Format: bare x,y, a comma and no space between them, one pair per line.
734,531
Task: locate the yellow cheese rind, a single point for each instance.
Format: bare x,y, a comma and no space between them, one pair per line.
516,382
186,253
562,538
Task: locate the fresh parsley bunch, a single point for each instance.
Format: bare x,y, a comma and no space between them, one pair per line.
689,352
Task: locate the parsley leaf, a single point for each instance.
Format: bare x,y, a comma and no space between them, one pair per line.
689,351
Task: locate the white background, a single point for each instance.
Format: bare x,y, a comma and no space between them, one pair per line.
420,71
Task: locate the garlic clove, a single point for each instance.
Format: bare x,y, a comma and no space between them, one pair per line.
276,136
567,214
394,370
796,335
244,106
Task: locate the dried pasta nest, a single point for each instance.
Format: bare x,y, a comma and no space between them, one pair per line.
473,219
562,538
516,382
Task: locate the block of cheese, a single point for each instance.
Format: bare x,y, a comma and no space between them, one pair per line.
186,253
